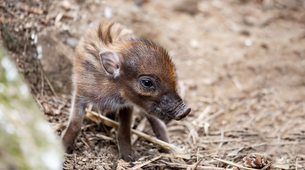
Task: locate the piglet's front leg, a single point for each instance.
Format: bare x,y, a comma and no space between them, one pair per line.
124,134
75,123
160,130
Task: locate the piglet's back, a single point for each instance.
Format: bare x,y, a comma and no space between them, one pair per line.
88,70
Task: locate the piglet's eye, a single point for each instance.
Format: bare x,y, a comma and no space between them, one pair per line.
147,83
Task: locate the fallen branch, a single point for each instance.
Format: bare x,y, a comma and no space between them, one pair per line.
145,163
271,163
48,81
183,166
234,164
140,128
196,164
105,137
108,122
33,10
192,132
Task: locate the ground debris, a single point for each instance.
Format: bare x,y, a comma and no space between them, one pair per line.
244,99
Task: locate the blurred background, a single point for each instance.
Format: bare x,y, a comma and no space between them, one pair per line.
240,63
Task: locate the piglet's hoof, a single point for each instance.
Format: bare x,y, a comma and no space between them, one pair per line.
69,150
127,158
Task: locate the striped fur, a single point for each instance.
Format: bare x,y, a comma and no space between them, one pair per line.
90,78
136,61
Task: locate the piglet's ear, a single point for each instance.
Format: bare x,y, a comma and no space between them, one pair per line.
111,63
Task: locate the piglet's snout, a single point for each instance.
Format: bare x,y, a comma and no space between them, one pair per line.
183,112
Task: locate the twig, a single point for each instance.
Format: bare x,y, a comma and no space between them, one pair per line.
105,137
219,112
296,164
42,82
57,19
83,140
274,144
32,10
9,11
193,133
237,83
281,166
86,140
234,164
221,139
145,163
95,116
269,164
38,102
225,140
140,128
46,78
182,166
199,119
159,165
50,85
253,146
197,154
196,164
239,132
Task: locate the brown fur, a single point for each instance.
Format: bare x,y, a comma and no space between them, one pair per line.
133,61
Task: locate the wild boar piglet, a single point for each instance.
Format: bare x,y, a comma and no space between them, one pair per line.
115,71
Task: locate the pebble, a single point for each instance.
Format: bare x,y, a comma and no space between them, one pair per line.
248,42
72,42
108,12
194,43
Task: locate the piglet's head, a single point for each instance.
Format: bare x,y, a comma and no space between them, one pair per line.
147,78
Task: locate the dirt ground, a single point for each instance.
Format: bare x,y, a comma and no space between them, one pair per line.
241,68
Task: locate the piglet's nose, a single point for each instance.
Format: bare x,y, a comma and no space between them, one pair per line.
182,115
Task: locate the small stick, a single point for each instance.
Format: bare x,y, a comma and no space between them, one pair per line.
47,80
87,141
50,85
196,164
193,133
95,116
219,112
182,166
42,82
31,10
83,140
9,11
237,83
221,139
296,164
105,137
38,102
225,140
269,164
202,115
252,146
145,163
234,164
57,19
140,128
